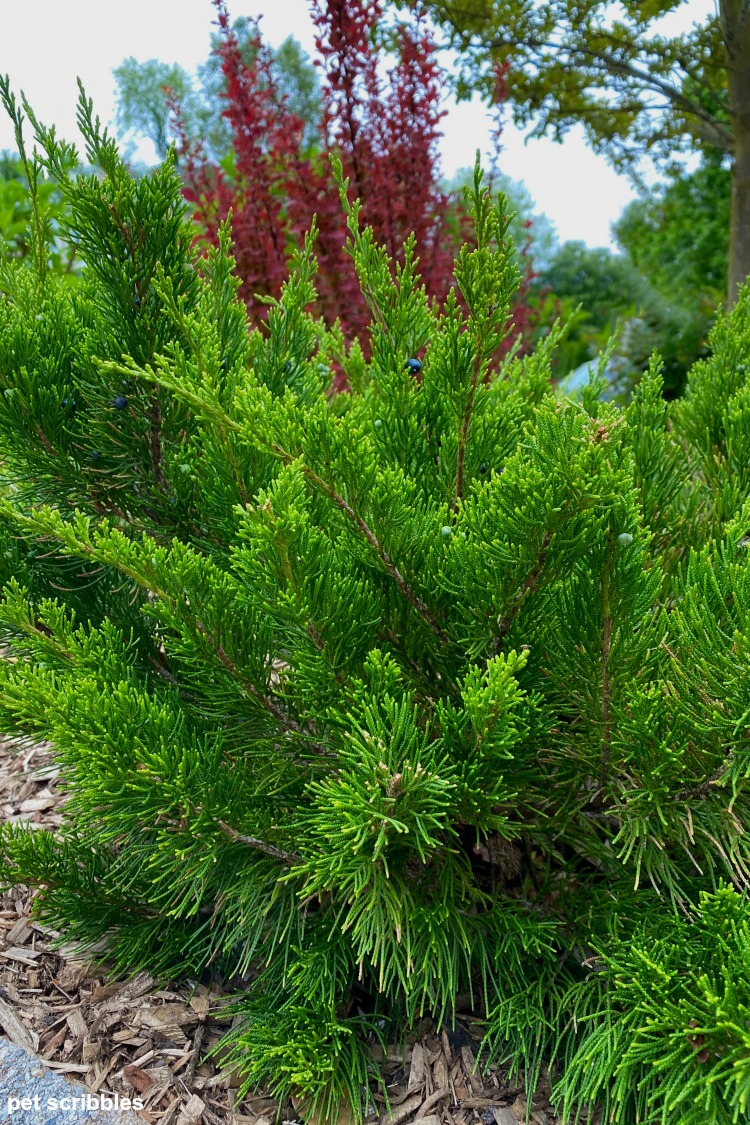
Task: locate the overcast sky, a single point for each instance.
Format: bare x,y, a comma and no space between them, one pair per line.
46,44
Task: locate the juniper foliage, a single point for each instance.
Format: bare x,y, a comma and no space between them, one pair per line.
437,685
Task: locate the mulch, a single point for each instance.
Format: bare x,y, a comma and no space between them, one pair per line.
137,1038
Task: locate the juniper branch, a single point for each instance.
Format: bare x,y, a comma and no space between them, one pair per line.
289,858
528,585
463,432
414,600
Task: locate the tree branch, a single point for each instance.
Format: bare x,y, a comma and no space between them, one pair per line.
154,415
707,128
464,430
290,858
414,600
703,788
248,686
529,583
721,137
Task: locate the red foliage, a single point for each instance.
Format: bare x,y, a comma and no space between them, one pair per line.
386,131
267,139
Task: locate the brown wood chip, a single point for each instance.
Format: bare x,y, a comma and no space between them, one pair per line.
56,1041
169,1117
65,1067
200,1005
518,1109
433,1100
417,1069
72,974
440,1073
14,1029
163,1016
504,1116
38,804
90,1052
106,992
137,1078
403,1111
131,990
19,933
95,1080
25,955
76,1023
192,1111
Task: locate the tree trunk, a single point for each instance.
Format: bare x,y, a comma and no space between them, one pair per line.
735,27
739,224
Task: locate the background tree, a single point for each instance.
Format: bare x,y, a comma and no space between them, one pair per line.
636,91
143,99
295,80
677,234
141,106
605,284
676,238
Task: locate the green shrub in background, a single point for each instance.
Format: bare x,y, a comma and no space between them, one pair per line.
17,211
436,685
616,295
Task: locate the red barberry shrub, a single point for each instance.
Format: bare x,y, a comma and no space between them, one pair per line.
382,120
266,146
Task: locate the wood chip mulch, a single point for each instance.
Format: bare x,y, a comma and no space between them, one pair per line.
139,1039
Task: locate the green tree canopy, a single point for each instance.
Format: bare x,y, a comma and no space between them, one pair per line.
142,109
604,66
611,68
677,234
605,284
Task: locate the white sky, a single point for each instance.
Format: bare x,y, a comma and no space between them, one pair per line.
46,44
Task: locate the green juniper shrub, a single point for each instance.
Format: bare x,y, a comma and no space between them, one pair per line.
438,685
